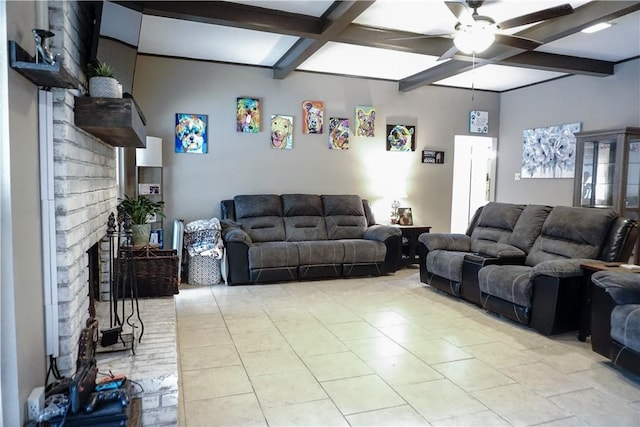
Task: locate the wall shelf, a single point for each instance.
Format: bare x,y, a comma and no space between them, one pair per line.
116,121
40,74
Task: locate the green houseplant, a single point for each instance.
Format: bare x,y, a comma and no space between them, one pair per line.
139,210
102,83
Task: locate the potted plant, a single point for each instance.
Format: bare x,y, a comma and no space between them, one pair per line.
102,83
139,210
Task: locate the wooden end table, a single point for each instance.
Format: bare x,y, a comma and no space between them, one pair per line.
410,234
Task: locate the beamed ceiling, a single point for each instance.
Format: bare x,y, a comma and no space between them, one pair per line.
360,38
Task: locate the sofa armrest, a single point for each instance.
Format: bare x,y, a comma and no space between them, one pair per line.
236,235
500,250
381,232
559,268
623,287
446,241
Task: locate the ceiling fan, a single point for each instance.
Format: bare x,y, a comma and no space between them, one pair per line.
474,33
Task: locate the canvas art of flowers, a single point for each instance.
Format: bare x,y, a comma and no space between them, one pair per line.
549,152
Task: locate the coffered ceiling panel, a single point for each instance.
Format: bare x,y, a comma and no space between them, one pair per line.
397,40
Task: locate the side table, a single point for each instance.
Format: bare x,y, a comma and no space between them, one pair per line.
586,289
410,234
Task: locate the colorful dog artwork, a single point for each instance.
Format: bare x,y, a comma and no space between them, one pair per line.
365,121
338,134
312,112
282,132
248,115
401,138
191,133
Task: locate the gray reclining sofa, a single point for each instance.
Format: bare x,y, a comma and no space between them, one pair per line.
523,261
273,238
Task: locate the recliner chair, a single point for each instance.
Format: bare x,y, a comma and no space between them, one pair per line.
615,318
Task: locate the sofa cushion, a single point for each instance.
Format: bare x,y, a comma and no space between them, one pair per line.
344,216
299,228
363,251
264,228
625,325
301,205
320,252
255,205
508,282
495,224
572,232
447,264
273,254
528,227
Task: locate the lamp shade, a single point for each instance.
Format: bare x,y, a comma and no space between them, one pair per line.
152,155
472,40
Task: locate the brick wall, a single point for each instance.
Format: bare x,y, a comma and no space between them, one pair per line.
85,182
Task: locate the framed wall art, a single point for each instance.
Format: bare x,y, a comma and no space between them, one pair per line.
549,152
248,115
191,133
312,116
432,156
338,133
478,121
401,138
282,132
365,121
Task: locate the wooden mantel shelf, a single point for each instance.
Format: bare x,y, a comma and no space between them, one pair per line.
116,121
40,74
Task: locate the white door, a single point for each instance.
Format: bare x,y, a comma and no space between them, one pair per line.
473,178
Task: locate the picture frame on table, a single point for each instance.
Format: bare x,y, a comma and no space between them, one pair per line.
405,216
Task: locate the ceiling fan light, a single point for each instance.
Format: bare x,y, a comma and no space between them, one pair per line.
474,41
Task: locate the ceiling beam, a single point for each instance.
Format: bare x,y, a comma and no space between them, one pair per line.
561,63
545,32
238,16
336,19
383,38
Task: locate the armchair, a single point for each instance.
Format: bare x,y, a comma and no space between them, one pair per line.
615,318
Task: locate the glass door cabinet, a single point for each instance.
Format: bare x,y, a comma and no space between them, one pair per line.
608,171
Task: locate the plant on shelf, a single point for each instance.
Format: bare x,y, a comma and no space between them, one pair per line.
139,211
102,83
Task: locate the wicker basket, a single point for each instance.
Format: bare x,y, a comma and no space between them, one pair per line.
156,272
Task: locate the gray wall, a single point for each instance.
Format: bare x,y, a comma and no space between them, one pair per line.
23,364
240,163
596,102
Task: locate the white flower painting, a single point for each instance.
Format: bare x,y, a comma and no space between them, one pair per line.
549,152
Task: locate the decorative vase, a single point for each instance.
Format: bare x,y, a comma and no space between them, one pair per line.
104,87
140,234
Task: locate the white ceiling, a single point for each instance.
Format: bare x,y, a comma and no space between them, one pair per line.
205,41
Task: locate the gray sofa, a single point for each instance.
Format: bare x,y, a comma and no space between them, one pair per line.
273,238
523,261
615,318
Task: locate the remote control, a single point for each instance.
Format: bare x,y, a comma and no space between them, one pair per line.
107,396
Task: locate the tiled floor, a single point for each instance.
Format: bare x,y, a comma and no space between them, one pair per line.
382,351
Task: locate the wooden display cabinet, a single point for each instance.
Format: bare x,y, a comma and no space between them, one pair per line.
607,173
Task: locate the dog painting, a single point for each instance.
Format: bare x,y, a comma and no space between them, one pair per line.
312,112
401,138
248,115
282,132
365,121
338,134
191,133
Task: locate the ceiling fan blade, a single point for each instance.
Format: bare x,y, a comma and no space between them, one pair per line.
448,54
541,15
418,36
519,42
461,12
